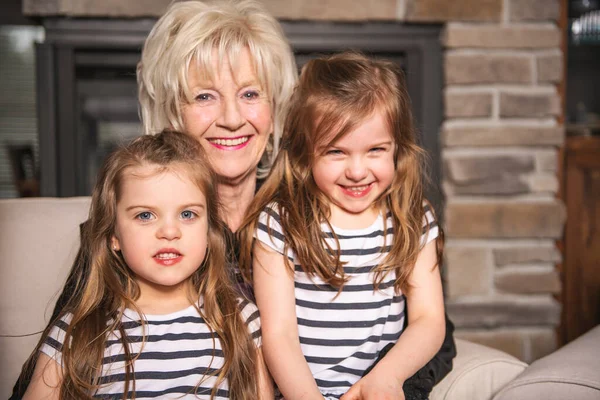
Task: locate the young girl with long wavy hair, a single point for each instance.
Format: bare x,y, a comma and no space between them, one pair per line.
347,247
156,315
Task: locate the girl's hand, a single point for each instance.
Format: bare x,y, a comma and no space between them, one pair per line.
375,387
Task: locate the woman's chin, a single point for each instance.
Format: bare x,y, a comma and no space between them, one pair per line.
235,174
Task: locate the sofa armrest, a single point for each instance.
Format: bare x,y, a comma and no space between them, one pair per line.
478,373
38,242
571,372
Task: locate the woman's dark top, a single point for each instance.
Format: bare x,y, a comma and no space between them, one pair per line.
416,387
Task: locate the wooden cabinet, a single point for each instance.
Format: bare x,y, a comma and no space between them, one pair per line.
581,264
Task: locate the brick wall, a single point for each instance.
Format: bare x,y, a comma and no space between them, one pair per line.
500,142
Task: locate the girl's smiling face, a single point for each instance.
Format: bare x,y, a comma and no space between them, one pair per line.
161,228
355,170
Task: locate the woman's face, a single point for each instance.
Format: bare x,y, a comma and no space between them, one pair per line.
230,116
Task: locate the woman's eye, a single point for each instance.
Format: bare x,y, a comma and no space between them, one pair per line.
377,149
204,97
334,152
251,95
144,216
187,214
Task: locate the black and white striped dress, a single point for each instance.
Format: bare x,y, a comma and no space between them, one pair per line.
175,358
342,336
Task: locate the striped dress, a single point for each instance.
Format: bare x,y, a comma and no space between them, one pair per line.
175,358
342,336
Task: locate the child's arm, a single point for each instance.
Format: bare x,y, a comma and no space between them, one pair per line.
420,340
46,380
275,297
265,383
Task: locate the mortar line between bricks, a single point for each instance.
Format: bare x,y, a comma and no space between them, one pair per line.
506,12
506,122
401,10
507,200
496,104
499,151
544,88
496,52
534,70
502,244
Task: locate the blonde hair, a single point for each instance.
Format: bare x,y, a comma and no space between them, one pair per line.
104,285
334,96
189,32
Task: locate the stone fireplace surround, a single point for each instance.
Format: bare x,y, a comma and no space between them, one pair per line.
499,139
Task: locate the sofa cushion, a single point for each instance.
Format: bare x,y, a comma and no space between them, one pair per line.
38,242
571,372
478,373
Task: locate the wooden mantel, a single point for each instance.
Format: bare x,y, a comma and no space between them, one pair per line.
334,10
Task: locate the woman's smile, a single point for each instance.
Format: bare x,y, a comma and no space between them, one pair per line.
234,143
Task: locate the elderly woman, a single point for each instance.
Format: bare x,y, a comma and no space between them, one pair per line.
223,72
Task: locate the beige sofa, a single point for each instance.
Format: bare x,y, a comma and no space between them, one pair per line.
39,239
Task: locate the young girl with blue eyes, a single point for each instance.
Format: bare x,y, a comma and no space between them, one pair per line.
155,315
347,249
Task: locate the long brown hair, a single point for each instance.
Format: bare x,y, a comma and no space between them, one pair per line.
334,96
105,286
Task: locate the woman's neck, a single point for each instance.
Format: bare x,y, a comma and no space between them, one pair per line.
235,200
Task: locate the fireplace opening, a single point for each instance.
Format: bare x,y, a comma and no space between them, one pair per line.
87,97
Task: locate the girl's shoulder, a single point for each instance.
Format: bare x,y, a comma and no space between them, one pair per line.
53,343
248,310
430,229
429,215
428,207
272,209
60,326
269,221
251,317
270,232
270,214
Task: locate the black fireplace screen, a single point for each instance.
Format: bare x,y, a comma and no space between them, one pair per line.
87,101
